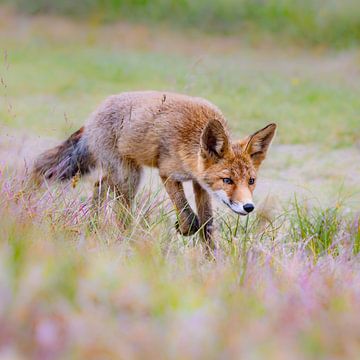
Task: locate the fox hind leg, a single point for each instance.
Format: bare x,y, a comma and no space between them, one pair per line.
125,179
120,184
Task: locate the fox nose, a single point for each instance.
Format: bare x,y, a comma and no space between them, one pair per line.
249,207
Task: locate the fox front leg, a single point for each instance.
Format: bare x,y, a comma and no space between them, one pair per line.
188,222
204,210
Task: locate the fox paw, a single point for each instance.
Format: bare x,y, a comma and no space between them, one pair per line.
209,236
208,231
191,227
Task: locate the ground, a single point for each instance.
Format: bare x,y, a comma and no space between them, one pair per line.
285,282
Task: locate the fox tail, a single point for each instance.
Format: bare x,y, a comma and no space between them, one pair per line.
65,160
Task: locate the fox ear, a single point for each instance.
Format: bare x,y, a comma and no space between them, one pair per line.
257,144
214,141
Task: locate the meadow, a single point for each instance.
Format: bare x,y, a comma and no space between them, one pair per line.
284,284
335,23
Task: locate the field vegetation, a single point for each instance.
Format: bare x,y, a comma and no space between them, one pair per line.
336,23
285,281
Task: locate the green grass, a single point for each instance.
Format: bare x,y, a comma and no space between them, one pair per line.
336,23
317,228
54,88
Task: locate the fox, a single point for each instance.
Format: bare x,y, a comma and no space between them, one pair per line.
186,138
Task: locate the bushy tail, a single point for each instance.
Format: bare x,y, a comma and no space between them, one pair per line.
64,161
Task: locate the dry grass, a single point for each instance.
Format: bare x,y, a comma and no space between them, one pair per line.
283,285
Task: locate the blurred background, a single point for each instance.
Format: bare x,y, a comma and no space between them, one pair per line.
293,62
331,22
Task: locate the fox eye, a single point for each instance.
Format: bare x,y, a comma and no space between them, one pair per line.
227,181
251,181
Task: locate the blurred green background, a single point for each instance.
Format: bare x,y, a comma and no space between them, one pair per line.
296,63
333,22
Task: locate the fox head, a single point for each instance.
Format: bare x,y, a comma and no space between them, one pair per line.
229,170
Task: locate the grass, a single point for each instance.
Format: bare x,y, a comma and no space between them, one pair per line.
48,84
285,280
336,23
317,229
70,292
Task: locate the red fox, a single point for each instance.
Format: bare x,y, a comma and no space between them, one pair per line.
185,137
